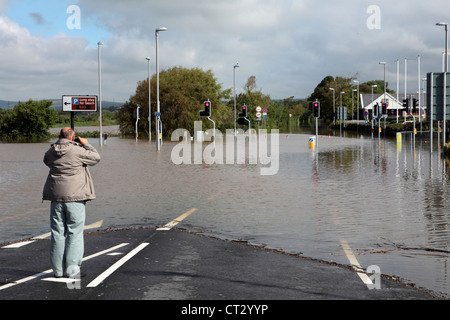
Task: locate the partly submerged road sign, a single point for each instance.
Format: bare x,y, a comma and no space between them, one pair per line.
79,103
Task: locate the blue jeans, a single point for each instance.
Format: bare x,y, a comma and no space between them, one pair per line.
67,243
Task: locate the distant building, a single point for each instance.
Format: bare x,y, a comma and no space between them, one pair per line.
393,104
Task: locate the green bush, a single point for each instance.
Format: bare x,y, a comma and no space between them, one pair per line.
27,122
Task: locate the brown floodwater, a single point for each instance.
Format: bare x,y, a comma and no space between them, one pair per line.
390,203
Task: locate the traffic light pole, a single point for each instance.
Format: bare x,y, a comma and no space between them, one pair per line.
317,133
316,114
206,112
214,132
414,129
137,121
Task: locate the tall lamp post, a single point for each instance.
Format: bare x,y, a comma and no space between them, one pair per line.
444,92
384,100
353,102
342,114
373,86
100,92
384,64
149,105
357,100
334,110
234,79
158,111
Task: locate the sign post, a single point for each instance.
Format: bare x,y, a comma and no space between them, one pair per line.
80,103
264,116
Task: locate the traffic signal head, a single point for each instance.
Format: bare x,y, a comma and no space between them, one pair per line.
405,103
375,109
243,114
383,108
207,109
316,109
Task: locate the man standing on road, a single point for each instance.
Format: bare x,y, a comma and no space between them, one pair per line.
69,185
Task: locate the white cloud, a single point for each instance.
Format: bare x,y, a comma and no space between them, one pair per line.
35,67
289,45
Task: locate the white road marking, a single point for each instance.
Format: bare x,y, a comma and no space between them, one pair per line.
49,271
63,280
18,244
94,225
116,265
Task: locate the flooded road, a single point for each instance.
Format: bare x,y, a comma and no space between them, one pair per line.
389,203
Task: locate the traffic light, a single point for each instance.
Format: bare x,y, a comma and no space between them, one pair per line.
207,109
406,104
384,108
376,109
316,109
414,105
243,114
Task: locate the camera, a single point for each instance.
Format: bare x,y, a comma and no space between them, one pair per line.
77,139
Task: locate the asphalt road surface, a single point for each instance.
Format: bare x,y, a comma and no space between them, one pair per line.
151,264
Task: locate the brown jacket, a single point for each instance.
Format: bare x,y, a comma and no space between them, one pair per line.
69,178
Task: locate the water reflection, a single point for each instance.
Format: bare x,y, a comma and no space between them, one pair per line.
389,203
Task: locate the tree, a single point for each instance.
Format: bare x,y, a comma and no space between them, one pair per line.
252,98
182,93
366,88
28,121
324,95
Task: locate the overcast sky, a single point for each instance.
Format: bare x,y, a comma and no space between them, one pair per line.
48,50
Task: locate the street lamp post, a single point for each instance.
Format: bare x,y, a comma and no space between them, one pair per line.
342,114
353,102
444,92
373,86
149,105
384,100
398,77
158,123
357,100
100,92
384,65
234,79
334,110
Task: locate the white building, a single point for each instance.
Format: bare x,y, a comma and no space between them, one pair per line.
392,103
